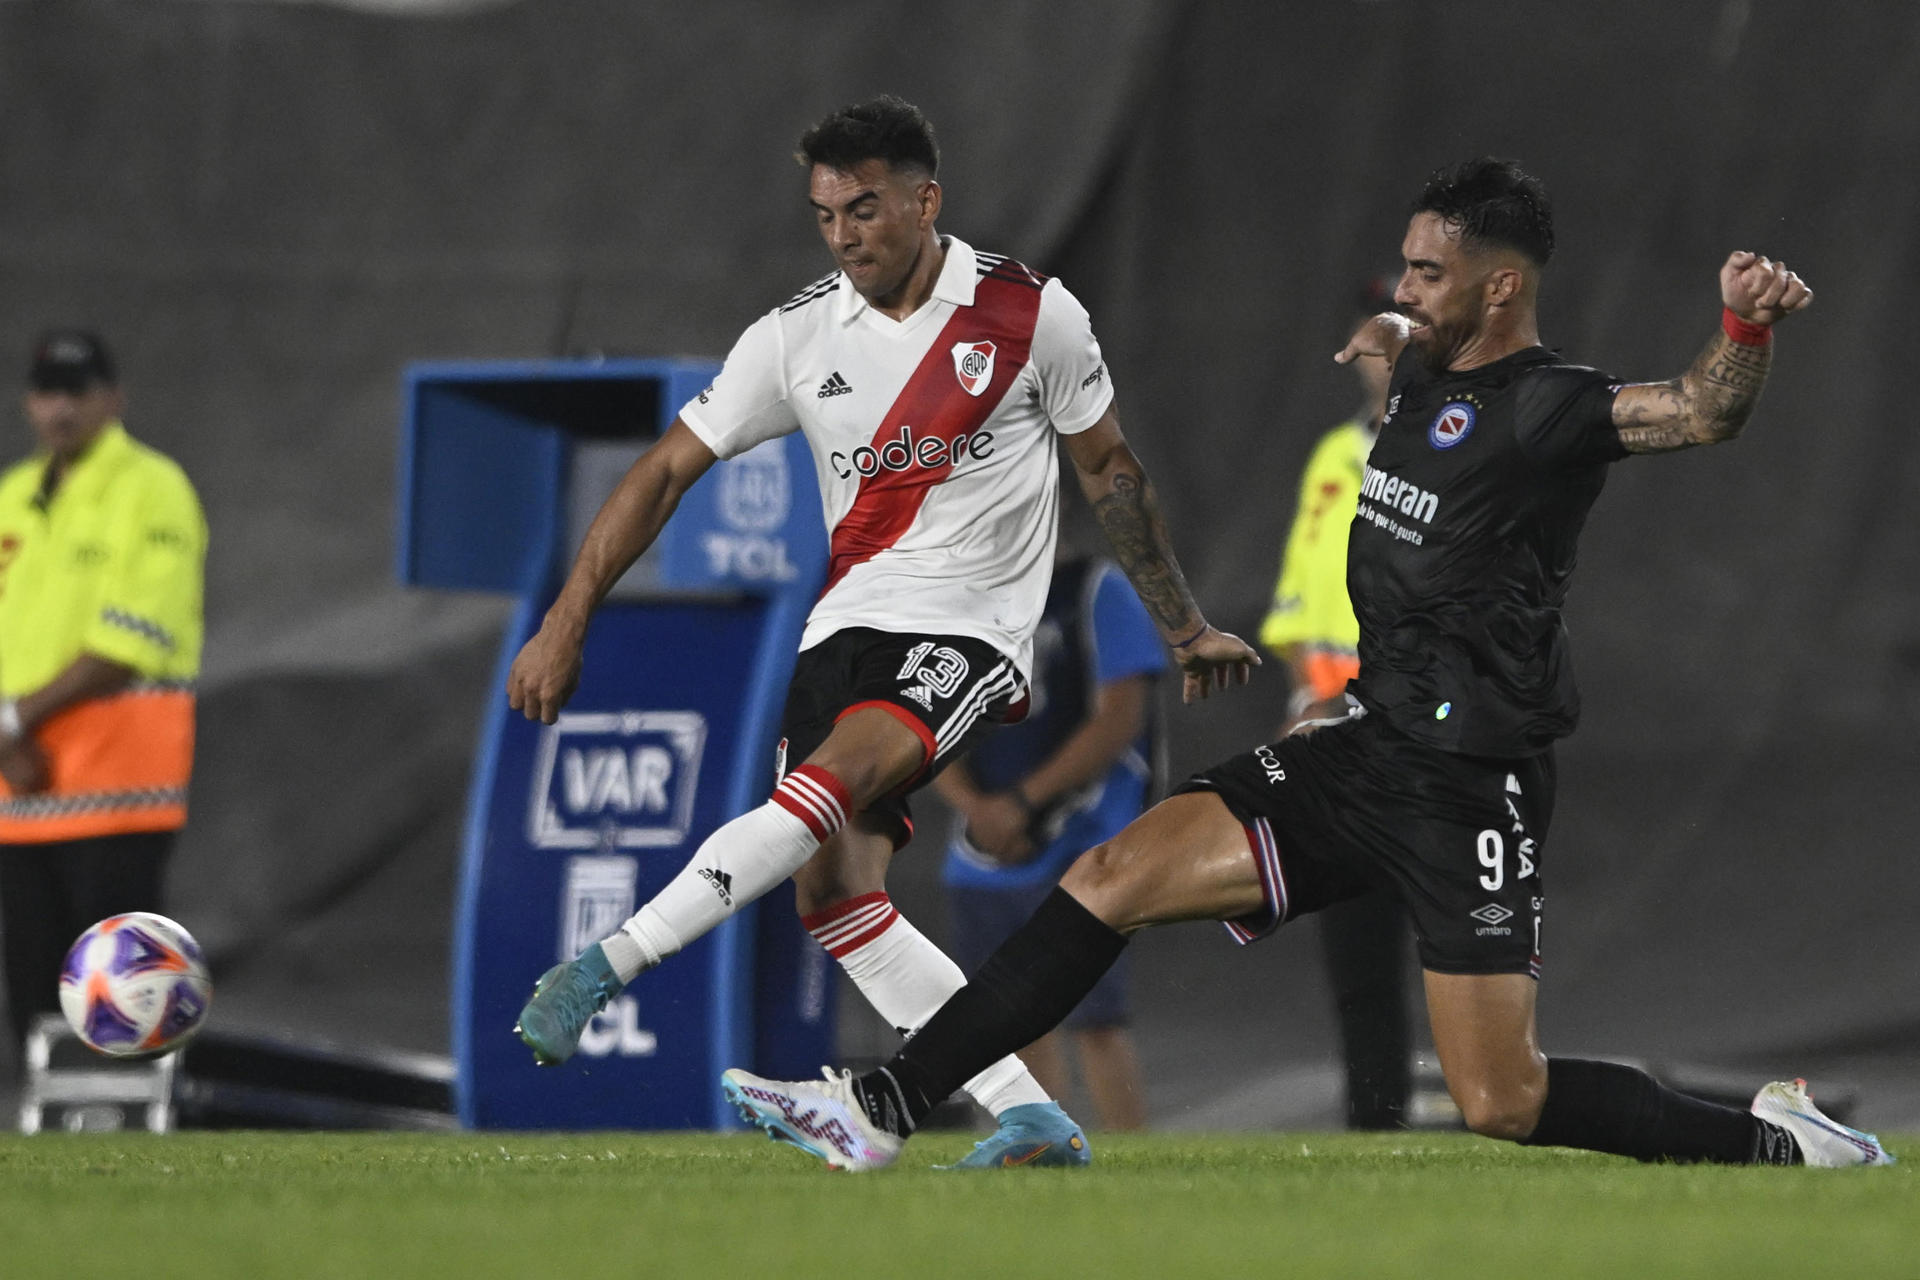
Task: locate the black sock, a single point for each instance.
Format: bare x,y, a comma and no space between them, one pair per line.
1604,1106
1022,992
880,1097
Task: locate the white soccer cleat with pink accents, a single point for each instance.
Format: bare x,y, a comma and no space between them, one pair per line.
1824,1143
821,1117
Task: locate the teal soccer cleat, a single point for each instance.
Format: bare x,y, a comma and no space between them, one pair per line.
1034,1136
564,1001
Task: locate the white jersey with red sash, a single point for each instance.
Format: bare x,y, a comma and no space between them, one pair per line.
933,439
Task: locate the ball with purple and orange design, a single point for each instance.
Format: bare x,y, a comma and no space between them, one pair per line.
135,986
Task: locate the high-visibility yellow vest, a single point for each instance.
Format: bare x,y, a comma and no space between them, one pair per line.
112,566
1310,610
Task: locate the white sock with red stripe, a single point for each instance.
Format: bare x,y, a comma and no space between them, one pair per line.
735,865
907,979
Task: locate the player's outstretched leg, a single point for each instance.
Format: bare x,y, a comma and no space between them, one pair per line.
1611,1107
1483,1029
1187,858
821,1117
736,864
1824,1142
1035,979
903,975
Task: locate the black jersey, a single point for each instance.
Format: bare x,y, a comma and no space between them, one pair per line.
1463,546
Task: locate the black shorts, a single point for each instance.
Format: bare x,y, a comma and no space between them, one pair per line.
1358,805
950,690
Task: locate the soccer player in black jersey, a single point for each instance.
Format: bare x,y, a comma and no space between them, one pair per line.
1438,787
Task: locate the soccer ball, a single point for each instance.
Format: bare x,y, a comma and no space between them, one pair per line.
135,986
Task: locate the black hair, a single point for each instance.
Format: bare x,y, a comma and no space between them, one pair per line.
1492,202
885,128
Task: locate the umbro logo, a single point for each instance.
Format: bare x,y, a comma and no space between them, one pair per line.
1492,913
722,883
835,385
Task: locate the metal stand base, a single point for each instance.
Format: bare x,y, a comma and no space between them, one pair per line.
87,1090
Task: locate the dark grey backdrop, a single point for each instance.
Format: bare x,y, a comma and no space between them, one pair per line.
272,208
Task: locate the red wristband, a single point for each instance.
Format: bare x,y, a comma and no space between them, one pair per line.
1743,332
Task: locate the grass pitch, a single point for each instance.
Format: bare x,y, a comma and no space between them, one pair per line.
638,1206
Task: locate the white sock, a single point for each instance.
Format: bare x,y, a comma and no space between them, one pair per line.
735,865
906,978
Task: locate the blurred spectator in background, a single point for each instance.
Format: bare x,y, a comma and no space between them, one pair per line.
102,544
1311,628
1029,799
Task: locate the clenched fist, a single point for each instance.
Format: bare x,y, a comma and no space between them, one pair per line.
1759,290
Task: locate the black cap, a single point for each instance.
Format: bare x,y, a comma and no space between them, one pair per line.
70,360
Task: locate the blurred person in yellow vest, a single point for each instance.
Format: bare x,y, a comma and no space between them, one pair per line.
102,547
1311,627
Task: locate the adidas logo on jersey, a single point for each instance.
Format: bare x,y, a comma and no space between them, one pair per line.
835,385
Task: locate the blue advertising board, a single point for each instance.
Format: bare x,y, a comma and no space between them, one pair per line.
585,820
572,825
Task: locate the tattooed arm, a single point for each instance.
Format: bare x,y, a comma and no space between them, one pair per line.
1712,401
1129,515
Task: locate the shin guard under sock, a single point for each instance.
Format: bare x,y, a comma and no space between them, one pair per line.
1604,1106
1022,992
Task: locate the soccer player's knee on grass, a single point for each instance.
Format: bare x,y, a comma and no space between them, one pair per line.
1508,1111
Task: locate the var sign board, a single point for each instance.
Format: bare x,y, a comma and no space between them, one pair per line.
586,819
618,779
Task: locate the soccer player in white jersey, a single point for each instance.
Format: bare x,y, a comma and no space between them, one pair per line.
931,382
